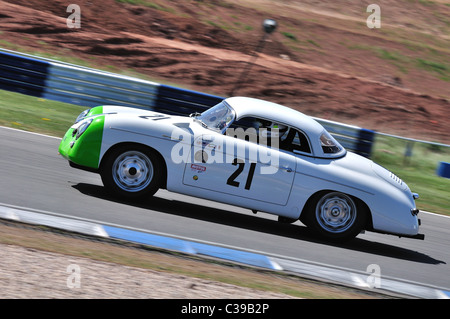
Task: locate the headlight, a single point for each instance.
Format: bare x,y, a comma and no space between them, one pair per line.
82,115
82,128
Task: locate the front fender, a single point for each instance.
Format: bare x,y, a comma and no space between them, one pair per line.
84,149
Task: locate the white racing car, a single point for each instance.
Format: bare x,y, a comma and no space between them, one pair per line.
245,152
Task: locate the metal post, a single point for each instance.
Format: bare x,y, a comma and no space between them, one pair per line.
269,26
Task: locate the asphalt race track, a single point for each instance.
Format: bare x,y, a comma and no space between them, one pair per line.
35,176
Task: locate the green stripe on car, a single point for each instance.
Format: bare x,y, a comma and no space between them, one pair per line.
84,149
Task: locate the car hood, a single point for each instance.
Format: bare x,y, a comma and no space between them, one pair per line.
143,121
121,110
126,114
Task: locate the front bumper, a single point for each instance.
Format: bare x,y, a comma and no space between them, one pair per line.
83,149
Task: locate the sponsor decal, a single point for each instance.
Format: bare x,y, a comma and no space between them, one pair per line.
198,168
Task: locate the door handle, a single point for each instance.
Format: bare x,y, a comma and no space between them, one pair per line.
287,169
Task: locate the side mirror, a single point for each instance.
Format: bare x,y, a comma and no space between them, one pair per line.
269,25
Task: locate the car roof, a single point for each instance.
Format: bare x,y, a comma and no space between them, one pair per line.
245,106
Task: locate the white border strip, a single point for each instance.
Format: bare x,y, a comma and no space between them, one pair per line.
29,217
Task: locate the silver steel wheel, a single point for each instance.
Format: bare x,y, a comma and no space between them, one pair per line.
132,171
336,212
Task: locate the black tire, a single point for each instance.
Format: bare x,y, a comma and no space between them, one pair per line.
131,172
336,216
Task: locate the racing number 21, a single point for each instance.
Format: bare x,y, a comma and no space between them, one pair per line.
232,179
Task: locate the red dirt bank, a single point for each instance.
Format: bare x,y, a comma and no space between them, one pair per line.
329,81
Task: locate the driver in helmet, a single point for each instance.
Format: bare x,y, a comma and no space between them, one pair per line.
268,130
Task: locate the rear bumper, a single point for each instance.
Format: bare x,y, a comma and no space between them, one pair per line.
416,236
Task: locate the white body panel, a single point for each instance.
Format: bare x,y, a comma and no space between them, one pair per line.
295,179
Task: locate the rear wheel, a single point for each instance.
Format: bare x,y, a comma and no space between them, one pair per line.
336,216
131,172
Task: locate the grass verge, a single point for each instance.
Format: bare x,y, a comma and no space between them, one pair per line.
35,114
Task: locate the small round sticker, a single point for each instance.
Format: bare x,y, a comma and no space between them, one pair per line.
201,157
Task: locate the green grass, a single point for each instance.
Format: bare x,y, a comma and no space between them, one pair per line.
434,62
289,36
36,114
437,67
313,43
418,170
146,3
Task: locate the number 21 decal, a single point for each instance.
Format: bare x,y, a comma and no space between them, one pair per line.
232,179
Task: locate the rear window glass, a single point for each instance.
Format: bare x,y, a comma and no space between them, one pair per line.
329,144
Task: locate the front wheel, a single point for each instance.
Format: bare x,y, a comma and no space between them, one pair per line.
336,216
131,172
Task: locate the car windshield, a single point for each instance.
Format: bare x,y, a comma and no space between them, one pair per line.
218,117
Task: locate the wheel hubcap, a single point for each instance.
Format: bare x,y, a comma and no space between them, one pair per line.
132,171
336,212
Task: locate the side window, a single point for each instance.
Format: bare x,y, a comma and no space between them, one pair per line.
245,129
262,132
295,141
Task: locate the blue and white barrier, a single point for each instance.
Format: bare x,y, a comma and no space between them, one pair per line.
89,87
191,247
443,169
303,268
87,227
73,84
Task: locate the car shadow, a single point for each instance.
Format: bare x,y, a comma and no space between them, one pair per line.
256,223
